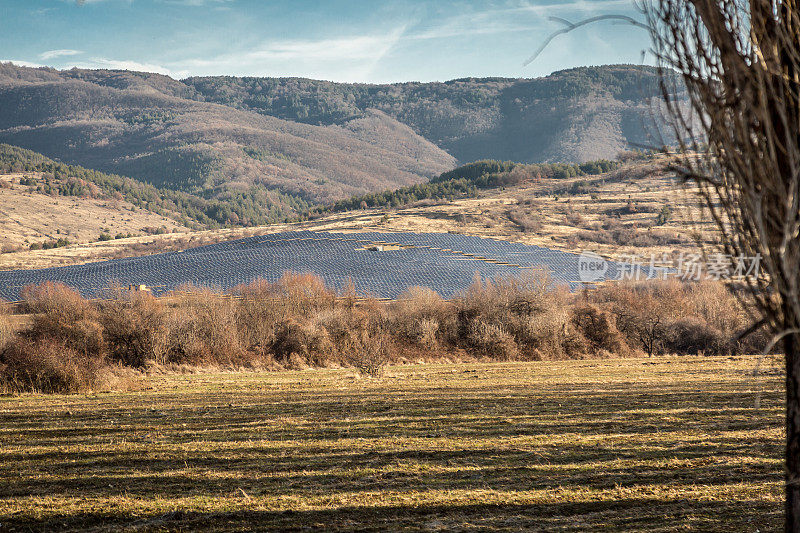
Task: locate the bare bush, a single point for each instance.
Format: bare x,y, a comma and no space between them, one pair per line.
134,327
529,310
643,310
61,313
527,220
616,233
257,315
302,294
203,329
307,340
692,335
46,366
599,328
490,339
6,330
418,314
367,350
298,322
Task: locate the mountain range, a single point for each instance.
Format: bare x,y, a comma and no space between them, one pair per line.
291,141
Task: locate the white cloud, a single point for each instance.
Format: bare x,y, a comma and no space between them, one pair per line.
197,3
524,17
80,3
21,63
350,58
51,54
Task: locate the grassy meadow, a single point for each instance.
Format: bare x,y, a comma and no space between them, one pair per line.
654,444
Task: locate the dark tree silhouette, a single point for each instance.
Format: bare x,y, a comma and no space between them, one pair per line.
739,141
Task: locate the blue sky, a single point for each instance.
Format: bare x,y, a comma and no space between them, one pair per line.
357,40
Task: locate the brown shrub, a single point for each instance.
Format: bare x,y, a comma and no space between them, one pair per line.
614,232
492,340
6,330
693,335
300,322
528,221
46,366
257,315
203,329
530,310
302,294
418,314
599,328
715,304
11,248
367,350
757,341
307,340
358,335
62,314
134,328
652,314
643,310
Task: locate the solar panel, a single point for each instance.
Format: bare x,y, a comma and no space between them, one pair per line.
446,263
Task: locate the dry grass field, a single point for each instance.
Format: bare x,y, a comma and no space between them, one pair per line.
611,214
568,214
32,217
660,444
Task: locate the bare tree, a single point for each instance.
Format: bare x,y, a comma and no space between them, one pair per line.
739,142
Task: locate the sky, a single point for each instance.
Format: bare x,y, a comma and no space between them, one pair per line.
348,41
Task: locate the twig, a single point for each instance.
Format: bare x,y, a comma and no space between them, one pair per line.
570,26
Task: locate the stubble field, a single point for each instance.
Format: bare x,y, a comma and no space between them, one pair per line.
661,444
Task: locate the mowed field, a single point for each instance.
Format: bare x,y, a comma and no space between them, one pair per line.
661,444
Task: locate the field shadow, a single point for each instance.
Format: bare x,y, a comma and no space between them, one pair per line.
620,515
342,443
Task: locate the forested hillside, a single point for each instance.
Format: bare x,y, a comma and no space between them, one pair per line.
465,182
307,141
573,115
43,175
145,126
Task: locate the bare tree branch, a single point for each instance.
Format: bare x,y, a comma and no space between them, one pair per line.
570,26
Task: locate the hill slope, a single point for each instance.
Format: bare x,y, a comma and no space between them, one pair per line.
144,126
573,115
317,140
46,176
612,208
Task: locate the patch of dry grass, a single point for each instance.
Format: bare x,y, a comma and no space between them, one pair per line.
665,444
33,217
612,214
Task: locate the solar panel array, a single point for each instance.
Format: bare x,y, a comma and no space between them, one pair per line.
446,263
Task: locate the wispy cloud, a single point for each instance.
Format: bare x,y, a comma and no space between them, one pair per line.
342,58
198,3
80,3
121,64
52,54
521,17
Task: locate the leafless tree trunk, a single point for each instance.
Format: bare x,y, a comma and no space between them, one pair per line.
739,140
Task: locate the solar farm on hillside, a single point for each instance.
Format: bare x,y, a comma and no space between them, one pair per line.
383,265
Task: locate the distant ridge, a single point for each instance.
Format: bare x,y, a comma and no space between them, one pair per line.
304,142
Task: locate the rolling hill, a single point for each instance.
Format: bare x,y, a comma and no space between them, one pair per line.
143,126
614,208
298,140
573,115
